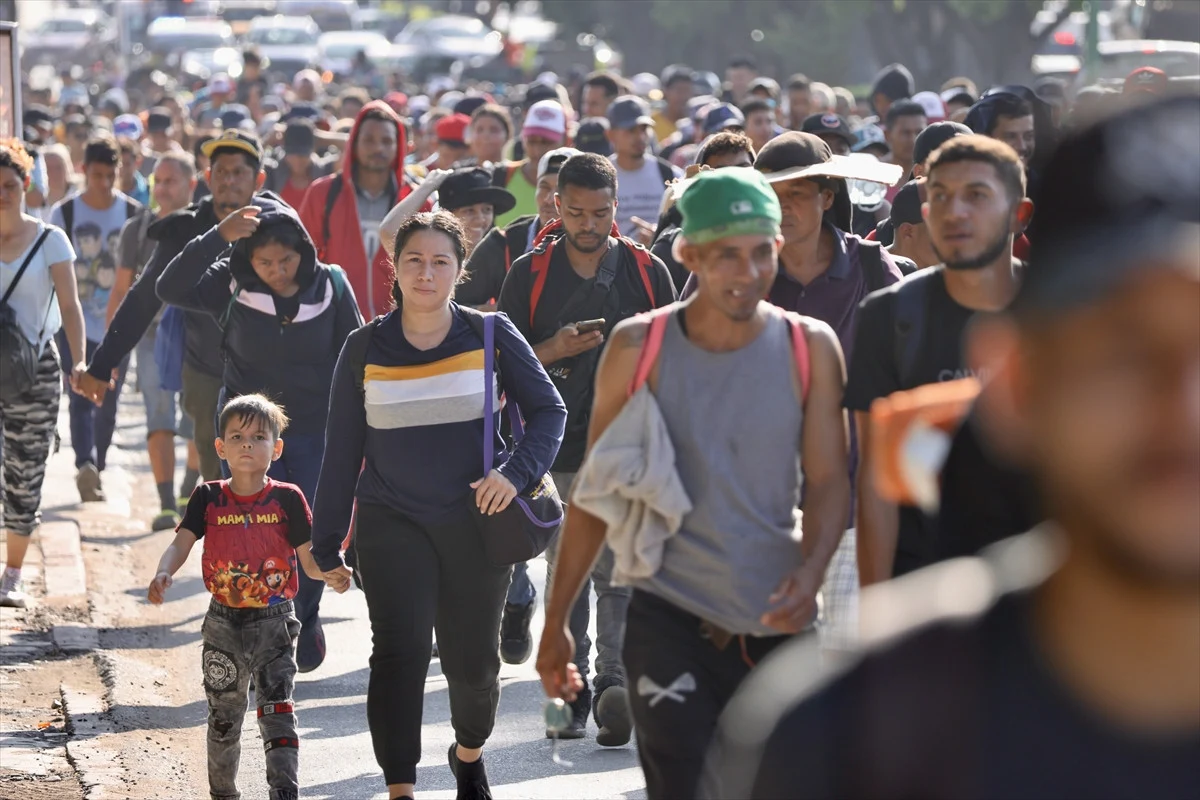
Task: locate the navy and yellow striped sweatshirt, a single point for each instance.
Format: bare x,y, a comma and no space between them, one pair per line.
419,427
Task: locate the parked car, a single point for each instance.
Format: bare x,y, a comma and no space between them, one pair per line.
381,20
69,35
289,44
339,48
1063,52
241,13
330,15
1176,59
192,47
453,36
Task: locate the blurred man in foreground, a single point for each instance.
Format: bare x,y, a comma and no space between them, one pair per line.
1065,663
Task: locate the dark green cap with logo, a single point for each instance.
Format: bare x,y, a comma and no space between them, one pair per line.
729,202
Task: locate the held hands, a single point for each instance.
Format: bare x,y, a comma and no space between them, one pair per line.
239,224
436,178
158,587
570,342
493,493
560,678
338,579
85,385
795,601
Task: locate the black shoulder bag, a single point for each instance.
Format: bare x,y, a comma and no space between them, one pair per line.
523,530
18,356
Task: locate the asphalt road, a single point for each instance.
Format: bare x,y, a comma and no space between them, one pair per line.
336,756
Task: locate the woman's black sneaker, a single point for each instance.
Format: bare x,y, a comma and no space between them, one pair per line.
472,777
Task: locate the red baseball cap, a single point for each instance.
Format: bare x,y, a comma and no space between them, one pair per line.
453,129
397,100
1146,79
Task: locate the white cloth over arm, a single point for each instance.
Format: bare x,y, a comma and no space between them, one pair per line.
630,482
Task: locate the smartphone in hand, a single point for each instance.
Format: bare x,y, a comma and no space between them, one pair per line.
590,325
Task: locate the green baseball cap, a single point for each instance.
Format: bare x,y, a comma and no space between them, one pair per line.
728,202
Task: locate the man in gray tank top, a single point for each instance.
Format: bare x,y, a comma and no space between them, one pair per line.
742,415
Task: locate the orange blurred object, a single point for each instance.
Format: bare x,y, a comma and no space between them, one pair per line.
910,437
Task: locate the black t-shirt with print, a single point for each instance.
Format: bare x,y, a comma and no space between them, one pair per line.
966,708
626,298
874,372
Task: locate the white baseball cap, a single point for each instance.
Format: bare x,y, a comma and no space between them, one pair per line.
546,118
220,83
935,109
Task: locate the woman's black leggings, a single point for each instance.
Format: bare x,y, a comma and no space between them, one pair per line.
416,576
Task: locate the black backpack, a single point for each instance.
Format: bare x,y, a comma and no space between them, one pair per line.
18,356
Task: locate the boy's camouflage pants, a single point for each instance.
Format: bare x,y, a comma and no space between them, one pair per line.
240,643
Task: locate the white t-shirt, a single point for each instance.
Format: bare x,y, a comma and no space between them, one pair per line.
32,301
639,193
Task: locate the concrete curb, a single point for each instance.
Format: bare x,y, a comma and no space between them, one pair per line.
97,767
62,556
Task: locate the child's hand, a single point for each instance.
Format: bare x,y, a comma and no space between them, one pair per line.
157,587
338,579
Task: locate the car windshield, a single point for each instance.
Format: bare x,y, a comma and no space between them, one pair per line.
282,36
63,26
190,40
1175,63
447,26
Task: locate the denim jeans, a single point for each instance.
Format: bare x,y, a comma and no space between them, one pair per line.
91,427
521,591
611,604
300,464
240,643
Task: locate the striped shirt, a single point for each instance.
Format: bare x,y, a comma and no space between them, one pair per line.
418,426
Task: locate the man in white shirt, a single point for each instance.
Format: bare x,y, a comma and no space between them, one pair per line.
641,176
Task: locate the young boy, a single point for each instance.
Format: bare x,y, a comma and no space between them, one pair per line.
254,528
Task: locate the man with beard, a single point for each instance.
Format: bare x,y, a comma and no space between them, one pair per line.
911,334
342,212
1064,663
586,275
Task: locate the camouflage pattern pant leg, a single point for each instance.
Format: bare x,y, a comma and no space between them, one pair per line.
238,644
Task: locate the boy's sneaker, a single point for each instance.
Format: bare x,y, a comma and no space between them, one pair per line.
612,714
471,778
182,502
310,648
87,481
11,595
516,644
581,706
167,518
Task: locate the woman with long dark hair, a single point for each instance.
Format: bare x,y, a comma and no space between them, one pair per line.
413,410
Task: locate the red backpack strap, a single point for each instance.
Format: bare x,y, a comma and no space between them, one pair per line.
642,256
800,351
650,347
539,268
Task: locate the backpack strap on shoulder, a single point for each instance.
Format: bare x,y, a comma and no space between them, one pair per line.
800,352
642,256
651,346
335,188
355,352
539,268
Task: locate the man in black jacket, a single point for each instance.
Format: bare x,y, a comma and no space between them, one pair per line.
233,183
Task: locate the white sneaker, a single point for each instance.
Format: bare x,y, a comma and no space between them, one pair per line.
11,595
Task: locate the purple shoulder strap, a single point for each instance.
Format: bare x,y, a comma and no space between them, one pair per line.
489,393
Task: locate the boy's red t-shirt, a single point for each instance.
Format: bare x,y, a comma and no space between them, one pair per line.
249,542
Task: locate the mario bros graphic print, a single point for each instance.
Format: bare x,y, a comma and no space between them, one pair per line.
249,542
